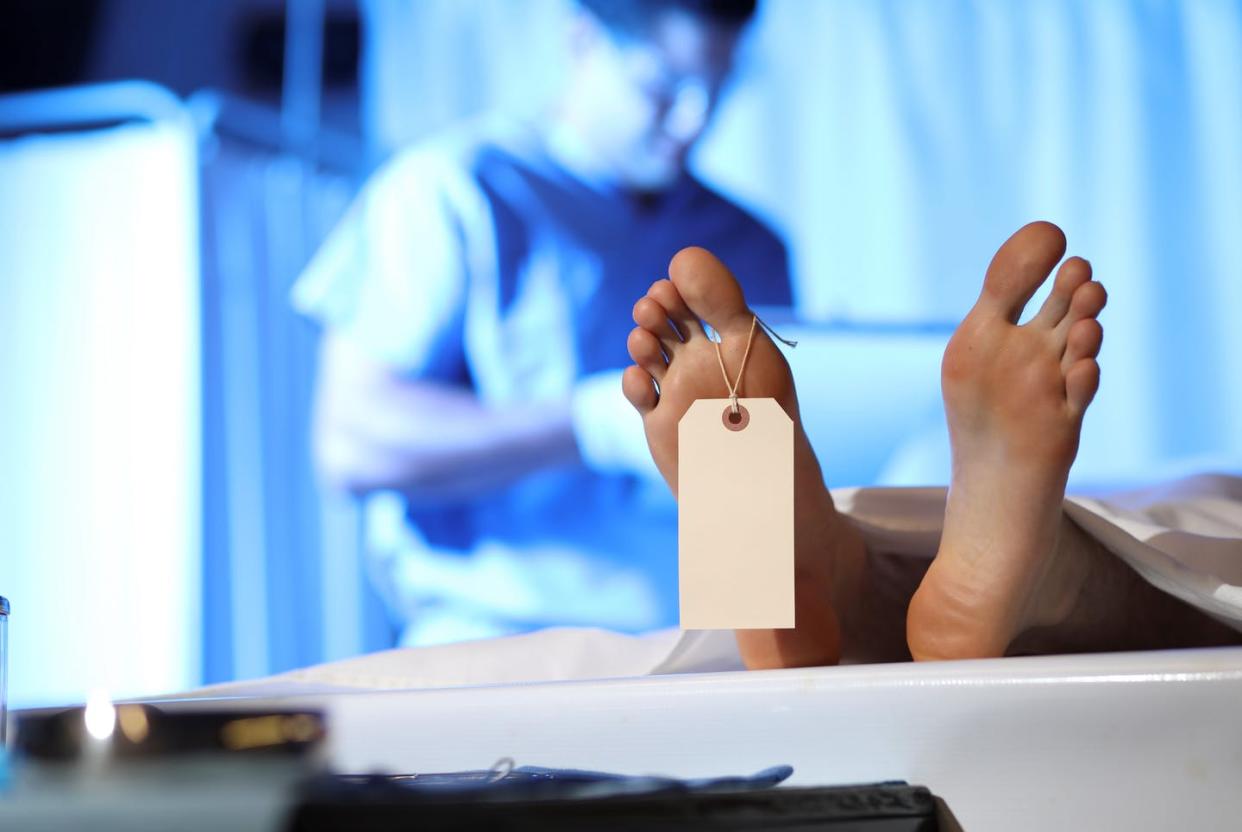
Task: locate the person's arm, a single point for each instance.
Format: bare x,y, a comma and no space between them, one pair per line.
435,442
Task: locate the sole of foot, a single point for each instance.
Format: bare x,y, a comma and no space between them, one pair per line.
1014,398
675,363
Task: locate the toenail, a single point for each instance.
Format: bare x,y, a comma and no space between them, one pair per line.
735,421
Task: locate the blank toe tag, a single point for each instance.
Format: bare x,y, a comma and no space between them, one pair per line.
735,515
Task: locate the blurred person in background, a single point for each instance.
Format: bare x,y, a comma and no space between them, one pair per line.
475,303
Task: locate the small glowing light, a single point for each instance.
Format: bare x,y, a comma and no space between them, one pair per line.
100,716
266,731
134,723
254,732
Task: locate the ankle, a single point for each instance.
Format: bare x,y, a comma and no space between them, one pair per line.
818,536
1059,593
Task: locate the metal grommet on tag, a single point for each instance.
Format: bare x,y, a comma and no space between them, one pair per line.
735,421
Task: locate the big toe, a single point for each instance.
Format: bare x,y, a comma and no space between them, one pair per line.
709,289
1019,267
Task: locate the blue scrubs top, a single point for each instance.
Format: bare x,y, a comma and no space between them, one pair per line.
480,260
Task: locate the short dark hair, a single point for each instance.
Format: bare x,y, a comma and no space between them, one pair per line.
636,17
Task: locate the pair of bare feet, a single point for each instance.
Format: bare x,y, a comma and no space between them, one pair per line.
1014,397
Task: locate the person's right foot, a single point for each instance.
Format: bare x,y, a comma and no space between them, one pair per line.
1014,398
671,349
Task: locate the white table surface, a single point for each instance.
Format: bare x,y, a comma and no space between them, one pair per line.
1117,741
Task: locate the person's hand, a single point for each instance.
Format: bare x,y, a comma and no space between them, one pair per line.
609,433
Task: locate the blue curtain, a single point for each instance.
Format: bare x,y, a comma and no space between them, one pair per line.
284,584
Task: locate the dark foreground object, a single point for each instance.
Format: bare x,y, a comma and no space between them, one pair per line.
535,799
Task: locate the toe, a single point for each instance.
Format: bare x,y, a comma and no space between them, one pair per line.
639,389
1018,269
1081,382
1085,338
1073,273
710,290
645,350
653,317
1088,301
686,322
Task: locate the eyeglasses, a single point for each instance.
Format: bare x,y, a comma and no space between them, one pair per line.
683,100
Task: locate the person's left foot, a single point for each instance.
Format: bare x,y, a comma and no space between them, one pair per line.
1014,398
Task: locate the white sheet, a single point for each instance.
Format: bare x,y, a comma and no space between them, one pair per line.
1184,537
559,654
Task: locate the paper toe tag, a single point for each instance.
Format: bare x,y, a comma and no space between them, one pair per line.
735,515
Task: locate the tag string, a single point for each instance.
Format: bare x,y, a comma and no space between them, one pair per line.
733,386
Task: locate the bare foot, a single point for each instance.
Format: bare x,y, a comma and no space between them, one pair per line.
1014,398
670,347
